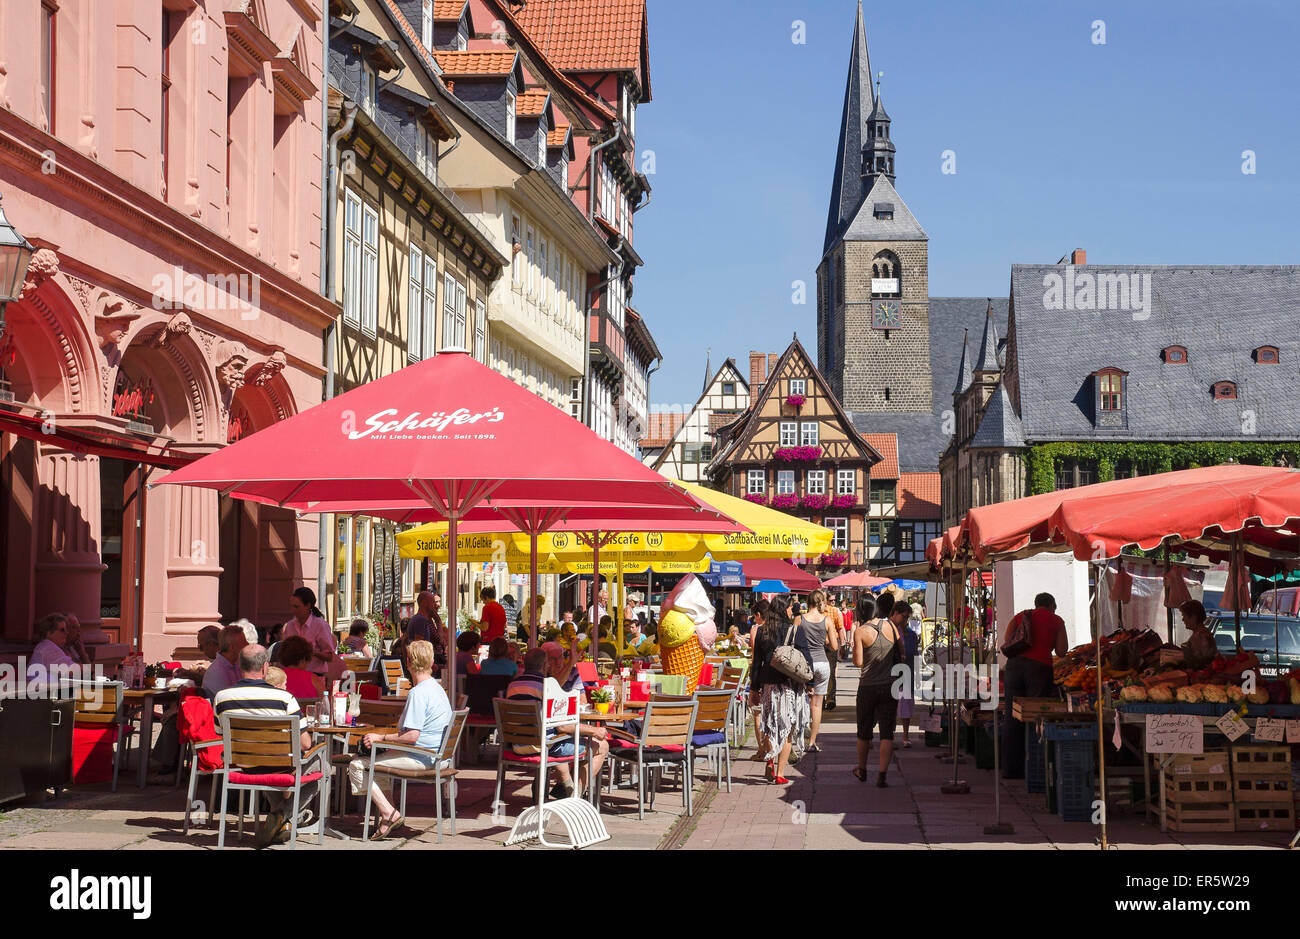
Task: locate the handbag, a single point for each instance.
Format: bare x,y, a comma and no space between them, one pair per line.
1018,638
789,661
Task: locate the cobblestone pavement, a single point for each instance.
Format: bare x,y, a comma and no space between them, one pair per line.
825,806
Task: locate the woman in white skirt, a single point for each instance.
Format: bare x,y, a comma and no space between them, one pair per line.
782,701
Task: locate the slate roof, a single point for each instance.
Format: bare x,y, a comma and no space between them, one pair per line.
586,35
1220,313
921,437
988,359
918,495
902,227
964,376
846,188
1000,426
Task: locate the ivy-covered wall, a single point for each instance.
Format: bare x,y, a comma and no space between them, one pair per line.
1040,461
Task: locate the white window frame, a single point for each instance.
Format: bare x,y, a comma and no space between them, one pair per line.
799,386
529,260
369,269
541,146
497,362
414,303
480,329
785,482
815,484
426,23
789,434
510,116
430,306
368,93
543,264
453,311
846,482
810,434
756,482
516,258
351,257
840,542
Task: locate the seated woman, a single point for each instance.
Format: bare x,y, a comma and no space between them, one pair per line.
501,659
356,640
295,654
423,722
467,646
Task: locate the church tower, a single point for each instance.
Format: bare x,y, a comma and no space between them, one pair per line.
873,289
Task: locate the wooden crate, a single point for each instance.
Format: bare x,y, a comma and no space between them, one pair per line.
1201,816
1261,759
1199,788
1265,816
1031,709
1262,789
1209,763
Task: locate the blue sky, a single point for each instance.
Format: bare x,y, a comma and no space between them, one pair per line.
1131,149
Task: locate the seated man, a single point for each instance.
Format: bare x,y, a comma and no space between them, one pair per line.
224,672
253,696
535,683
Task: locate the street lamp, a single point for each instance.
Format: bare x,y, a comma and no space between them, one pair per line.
15,254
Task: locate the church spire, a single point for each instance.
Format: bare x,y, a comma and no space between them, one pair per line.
847,190
964,378
878,148
988,357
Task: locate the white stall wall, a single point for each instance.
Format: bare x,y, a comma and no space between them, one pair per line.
1018,582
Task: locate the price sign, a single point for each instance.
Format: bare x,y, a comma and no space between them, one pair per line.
1232,725
1175,733
1270,730
1293,731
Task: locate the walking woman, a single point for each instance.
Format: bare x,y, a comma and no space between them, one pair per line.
781,701
823,642
876,649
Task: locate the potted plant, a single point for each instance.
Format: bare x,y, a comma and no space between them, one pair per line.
601,698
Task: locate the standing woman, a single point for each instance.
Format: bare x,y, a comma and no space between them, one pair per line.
781,701
309,623
819,635
876,649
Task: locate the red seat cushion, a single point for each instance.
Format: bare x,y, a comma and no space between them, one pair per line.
479,720
277,780
629,745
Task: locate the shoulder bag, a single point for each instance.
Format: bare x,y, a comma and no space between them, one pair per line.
789,661
1019,637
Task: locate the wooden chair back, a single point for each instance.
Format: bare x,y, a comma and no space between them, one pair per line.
451,739
266,742
519,722
668,723
99,702
395,681
731,677
714,710
656,696
356,663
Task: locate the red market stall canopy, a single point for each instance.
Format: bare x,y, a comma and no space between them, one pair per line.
857,580
775,569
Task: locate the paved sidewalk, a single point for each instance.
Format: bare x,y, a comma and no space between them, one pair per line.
826,807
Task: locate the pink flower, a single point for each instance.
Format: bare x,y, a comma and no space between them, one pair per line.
805,454
844,502
795,401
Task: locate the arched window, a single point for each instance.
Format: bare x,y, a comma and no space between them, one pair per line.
1225,391
1175,355
1110,389
1267,355
886,275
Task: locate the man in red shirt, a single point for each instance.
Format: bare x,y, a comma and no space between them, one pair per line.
1029,674
492,624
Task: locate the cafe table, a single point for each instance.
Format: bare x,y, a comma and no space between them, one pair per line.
145,699
333,732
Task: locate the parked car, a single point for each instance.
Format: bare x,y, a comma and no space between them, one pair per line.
1282,599
1278,651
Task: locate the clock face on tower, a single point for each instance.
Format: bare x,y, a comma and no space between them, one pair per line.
886,314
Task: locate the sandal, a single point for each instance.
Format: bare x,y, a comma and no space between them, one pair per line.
387,826
813,748
860,775
780,781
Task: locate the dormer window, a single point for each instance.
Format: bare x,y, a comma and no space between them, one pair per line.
1266,355
510,115
1110,390
1175,355
1225,391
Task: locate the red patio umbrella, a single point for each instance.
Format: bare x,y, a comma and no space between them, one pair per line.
776,569
856,580
448,433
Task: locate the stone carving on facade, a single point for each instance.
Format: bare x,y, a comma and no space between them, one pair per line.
232,362
273,366
43,265
179,325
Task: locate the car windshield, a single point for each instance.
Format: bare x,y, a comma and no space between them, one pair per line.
1257,635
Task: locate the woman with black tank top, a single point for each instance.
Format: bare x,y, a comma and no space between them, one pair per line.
782,703
876,648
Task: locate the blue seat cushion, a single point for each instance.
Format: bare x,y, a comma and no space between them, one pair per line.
708,738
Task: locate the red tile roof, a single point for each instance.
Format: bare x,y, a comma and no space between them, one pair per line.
720,419
556,137
887,446
663,425
586,35
918,495
532,103
461,64
448,9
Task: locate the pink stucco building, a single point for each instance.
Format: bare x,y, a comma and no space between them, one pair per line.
165,157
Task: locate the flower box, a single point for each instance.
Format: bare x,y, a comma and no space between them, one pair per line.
815,502
786,500
758,498
834,559
844,502
804,454
795,401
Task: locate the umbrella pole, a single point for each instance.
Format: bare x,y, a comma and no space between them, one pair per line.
1234,571
1169,610
618,617
453,598
1101,735
593,629
957,787
998,827
532,582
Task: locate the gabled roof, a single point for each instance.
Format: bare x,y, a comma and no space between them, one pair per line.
558,136
866,227
449,10
846,187
887,446
1000,426
739,433
919,495
728,366
1220,313
474,64
532,103
587,35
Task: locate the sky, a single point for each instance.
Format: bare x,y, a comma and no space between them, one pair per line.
1131,149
